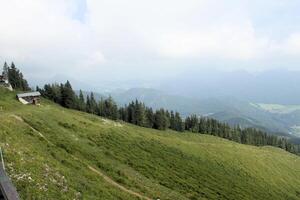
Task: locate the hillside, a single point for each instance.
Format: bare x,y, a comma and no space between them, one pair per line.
55,153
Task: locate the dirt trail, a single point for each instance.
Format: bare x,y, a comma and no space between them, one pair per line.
111,181
33,129
98,172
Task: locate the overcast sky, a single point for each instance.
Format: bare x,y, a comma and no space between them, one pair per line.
135,39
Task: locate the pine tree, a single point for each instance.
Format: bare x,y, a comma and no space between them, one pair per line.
139,109
93,104
5,71
160,120
68,96
15,78
172,121
131,113
149,118
101,107
178,123
88,104
81,102
110,109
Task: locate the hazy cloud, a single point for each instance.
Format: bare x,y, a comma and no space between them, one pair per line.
147,38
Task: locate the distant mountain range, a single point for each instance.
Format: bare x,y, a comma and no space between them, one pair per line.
276,86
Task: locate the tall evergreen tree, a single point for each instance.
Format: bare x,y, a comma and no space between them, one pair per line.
5,70
88,104
139,113
149,118
81,102
68,96
160,120
178,123
93,104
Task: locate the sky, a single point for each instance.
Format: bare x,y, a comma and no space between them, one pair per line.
103,40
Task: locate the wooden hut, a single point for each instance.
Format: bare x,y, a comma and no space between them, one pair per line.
29,98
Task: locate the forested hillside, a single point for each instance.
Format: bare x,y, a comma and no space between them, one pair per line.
138,114
227,109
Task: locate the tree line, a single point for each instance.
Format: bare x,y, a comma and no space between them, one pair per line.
15,77
139,114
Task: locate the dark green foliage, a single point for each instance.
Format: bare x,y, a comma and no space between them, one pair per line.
192,124
68,98
5,70
161,120
91,104
81,102
15,77
108,108
52,92
149,118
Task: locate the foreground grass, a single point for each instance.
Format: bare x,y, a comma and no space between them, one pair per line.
156,164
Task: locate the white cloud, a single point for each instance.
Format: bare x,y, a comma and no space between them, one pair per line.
176,30
145,36
42,33
222,41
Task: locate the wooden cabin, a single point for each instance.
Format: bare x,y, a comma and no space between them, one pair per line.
29,98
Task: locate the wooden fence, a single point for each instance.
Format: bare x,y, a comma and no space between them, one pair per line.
7,189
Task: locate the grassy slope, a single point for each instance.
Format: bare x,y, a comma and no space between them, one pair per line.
167,164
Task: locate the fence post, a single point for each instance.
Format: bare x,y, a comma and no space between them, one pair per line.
2,160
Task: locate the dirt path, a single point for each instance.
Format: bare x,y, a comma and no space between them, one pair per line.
33,129
98,172
112,182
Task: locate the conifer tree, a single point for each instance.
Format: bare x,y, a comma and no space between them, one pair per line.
172,121
93,104
5,70
81,102
149,118
68,96
160,120
139,109
88,104
15,77
178,123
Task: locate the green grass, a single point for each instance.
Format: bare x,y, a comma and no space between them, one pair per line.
163,164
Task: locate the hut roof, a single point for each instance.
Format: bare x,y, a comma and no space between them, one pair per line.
29,94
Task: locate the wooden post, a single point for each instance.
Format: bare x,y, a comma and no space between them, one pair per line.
2,160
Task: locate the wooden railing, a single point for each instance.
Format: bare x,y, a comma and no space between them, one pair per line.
7,189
